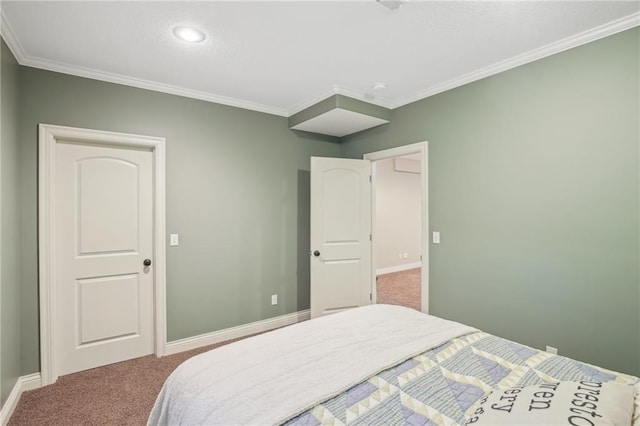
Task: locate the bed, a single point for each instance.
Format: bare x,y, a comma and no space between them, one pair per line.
383,364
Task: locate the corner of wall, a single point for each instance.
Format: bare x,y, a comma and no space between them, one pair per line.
10,362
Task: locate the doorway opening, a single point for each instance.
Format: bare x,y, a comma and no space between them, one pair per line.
399,225
398,230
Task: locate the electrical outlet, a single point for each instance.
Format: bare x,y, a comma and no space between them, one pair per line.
399,255
174,240
436,237
552,350
405,255
274,299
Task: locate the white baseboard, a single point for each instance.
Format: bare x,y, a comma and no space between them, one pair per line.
24,383
398,268
235,332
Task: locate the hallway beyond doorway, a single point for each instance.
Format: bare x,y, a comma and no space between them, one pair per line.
400,288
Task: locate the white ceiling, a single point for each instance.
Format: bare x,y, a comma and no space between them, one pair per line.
280,57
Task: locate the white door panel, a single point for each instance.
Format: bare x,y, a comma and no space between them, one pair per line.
104,183
98,321
340,234
104,220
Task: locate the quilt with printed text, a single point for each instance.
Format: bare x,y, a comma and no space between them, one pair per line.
389,365
441,385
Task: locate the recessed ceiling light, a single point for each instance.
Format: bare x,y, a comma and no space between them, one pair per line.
189,34
391,4
379,86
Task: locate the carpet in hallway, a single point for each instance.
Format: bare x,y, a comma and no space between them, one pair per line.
400,288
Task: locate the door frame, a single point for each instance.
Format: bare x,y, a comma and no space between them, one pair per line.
48,136
422,149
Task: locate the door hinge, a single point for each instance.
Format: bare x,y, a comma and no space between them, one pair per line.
371,297
369,178
370,237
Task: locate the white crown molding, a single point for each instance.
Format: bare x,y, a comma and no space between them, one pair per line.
26,60
593,34
10,38
150,85
207,339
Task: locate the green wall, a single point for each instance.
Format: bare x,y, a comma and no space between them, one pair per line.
9,271
534,187
237,194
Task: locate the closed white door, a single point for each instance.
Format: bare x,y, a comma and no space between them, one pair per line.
340,234
103,234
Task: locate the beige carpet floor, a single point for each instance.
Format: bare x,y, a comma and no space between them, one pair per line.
400,288
116,394
124,393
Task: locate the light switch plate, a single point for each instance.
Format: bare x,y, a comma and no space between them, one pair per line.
174,240
436,237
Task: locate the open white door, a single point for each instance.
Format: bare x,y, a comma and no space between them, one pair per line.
340,234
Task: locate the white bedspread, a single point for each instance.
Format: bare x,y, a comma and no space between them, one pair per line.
269,378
